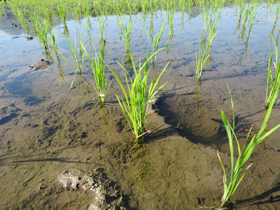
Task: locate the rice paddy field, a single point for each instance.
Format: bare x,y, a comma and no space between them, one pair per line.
128,104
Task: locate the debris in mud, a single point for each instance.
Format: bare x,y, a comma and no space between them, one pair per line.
152,105
27,37
42,64
106,194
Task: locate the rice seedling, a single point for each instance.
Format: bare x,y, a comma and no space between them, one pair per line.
277,11
97,66
154,42
78,57
201,58
62,13
205,15
237,167
204,51
98,70
126,31
53,47
272,84
41,28
138,96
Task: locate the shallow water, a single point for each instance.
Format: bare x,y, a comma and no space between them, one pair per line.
47,128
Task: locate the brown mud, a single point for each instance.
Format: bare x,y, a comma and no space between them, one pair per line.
60,131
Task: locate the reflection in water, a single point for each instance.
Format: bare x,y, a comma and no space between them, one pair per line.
248,17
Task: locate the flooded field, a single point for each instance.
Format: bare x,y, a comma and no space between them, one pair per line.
60,150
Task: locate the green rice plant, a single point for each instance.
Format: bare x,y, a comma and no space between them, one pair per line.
252,18
62,13
277,11
2,7
205,15
272,84
126,31
138,97
237,167
41,28
53,47
203,54
98,70
201,58
78,57
154,41
212,26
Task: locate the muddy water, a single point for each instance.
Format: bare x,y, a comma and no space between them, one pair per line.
45,128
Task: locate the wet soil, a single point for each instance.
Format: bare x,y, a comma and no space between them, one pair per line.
42,64
61,132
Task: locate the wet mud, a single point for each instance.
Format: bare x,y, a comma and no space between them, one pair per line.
42,64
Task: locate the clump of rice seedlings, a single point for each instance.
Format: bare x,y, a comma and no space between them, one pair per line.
272,84
154,42
204,51
203,55
98,70
41,28
201,58
53,47
62,13
138,96
239,168
126,31
79,58
18,12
